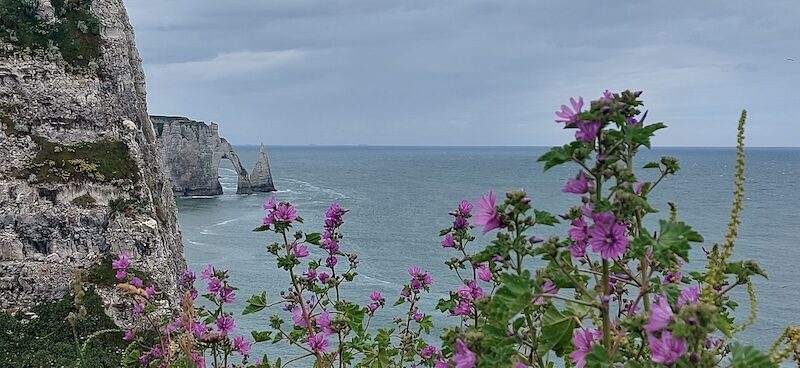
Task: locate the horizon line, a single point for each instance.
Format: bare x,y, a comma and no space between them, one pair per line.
470,146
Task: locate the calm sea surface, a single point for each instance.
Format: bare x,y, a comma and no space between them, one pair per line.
399,198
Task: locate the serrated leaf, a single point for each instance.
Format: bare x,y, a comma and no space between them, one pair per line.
674,238
255,303
651,165
259,336
545,218
748,357
313,238
262,228
557,330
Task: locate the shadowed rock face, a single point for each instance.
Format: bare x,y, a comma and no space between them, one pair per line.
80,174
192,151
261,177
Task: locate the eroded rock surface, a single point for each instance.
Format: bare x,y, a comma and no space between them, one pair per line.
80,174
261,176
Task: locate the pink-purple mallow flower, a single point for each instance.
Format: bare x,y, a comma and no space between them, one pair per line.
587,130
660,315
121,266
128,335
428,352
207,272
608,236
298,318
376,300
666,349
282,212
448,241
419,278
577,185
567,115
463,357
690,295
241,345
318,343
583,339
225,324
484,272
487,215
548,287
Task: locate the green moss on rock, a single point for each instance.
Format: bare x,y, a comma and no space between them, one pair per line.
47,340
75,33
85,201
101,162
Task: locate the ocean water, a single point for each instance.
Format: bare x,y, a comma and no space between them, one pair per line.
399,197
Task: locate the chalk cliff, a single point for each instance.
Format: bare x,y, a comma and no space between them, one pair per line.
261,177
192,151
80,176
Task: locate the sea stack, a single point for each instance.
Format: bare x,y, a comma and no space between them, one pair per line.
261,177
192,151
80,174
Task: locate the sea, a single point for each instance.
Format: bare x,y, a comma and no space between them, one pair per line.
399,197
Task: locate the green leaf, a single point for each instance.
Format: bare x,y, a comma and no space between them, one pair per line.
556,156
597,358
545,218
651,165
259,336
748,357
313,238
262,228
255,303
745,269
674,238
640,135
557,330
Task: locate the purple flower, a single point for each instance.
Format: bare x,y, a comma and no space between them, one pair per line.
269,204
376,296
138,308
567,115
128,335
607,237
120,275
548,287
197,328
660,315
135,281
689,295
121,266
463,357
372,307
331,262
428,352
583,340
418,316
150,290
323,277
578,249
318,343
465,207
207,273
310,274
300,251
667,349
285,212
214,285
225,324
587,130
607,96
484,273
241,345
460,223
577,185
487,215
298,318
448,241
323,322
226,295
672,277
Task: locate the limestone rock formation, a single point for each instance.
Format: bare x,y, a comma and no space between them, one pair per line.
80,176
261,177
192,151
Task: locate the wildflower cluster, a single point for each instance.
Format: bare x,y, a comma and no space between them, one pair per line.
192,336
609,293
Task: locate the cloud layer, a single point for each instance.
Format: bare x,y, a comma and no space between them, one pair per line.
466,72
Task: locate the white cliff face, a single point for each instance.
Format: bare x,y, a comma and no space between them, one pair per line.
80,174
192,151
261,176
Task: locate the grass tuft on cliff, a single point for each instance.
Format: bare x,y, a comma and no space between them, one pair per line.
47,340
75,35
101,162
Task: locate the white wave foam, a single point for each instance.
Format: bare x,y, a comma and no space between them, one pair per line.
226,222
378,281
318,189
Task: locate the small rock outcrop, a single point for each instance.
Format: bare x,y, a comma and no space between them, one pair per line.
261,177
80,176
192,151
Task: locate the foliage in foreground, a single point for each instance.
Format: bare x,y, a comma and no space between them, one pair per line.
612,292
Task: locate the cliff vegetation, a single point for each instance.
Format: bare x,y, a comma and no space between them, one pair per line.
73,32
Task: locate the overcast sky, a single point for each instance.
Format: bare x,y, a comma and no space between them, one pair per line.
466,72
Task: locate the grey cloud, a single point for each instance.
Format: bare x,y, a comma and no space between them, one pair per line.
467,72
